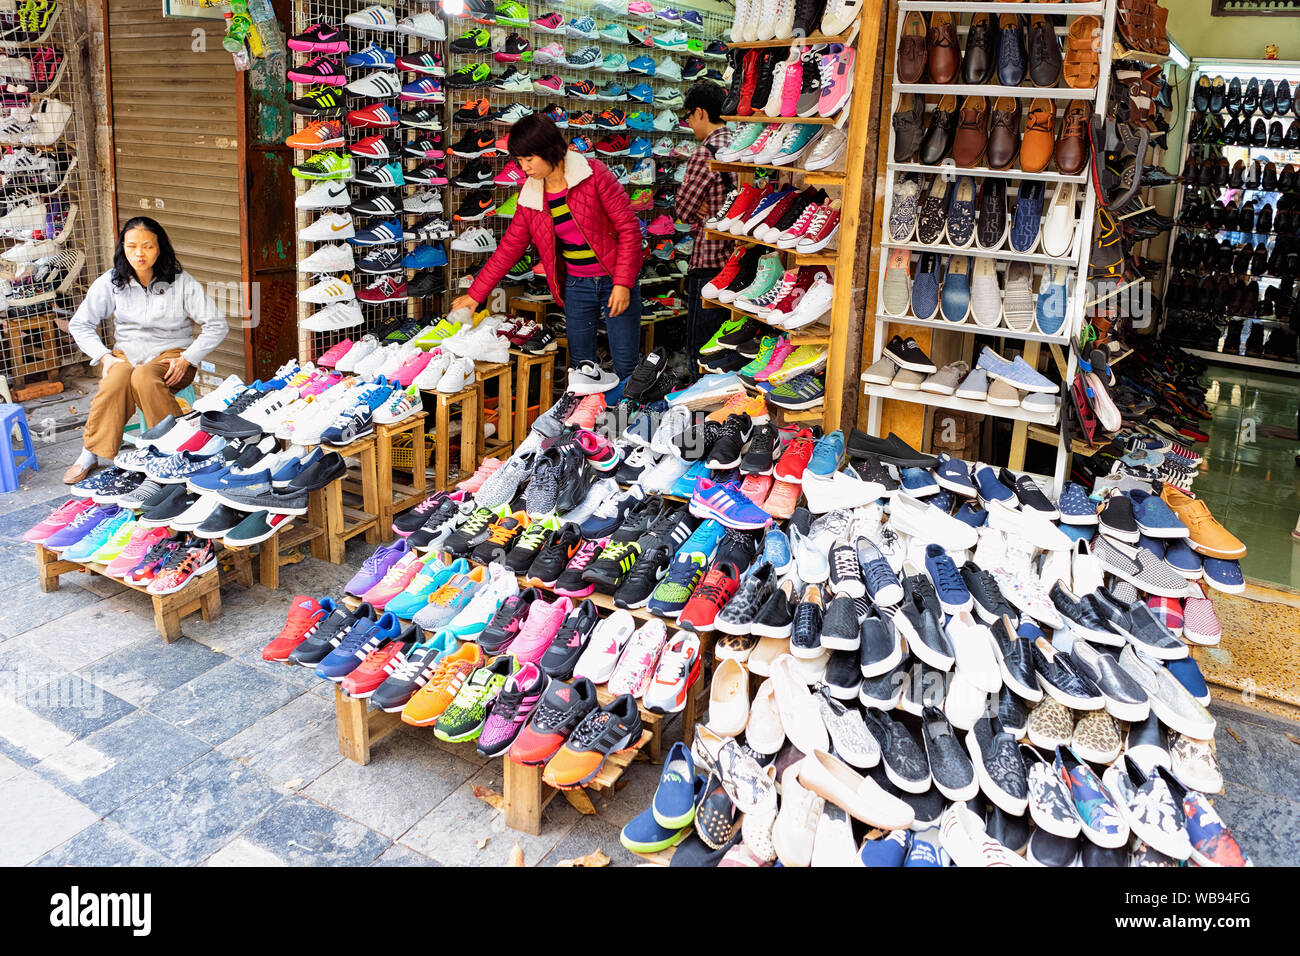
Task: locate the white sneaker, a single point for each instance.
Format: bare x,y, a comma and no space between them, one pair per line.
840,489
330,258
972,643
432,373
486,346
665,122
608,639
676,420
360,349
331,227
340,315
814,306
401,405
373,17
329,290
813,566
589,378
427,201
668,69
326,194
664,474
459,374
221,396
920,520
426,25
475,240
475,615
369,364
1059,221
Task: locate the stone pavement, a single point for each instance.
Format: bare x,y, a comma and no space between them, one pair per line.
117,749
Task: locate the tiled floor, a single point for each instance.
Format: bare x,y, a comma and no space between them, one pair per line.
1250,480
116,749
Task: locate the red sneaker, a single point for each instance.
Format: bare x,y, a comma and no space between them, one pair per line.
795,458
378,665
563,707
756,487
717,587
728,273
305,613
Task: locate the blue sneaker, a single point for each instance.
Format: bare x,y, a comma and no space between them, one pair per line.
220,481
1028,216
386,233
642,64
954,596
972,513
703,540
1053,298
1223,575
640,148
828,454
1016,372
1188,673
349,425
921,853
684,486
960,225
672,593
954,304
644,834
943,501
373,57
673,804
991,491
353,649
82,549
1076,507
425,257
432,576
725,503
294,467
919,483
925,287
642,93
1155,518
1180,556
954,474
776,550
888,850
640,120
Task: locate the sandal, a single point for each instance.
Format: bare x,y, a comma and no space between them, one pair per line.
1081,66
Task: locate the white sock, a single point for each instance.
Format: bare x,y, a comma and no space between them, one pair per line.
86,458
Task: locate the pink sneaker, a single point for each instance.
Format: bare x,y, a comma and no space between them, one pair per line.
551,53
142,539
411,368
396,579
549,82
319,383
600,451
660,226
790,87
835,94
588,410
539,630
58,519
639,8
484,471
329,357
511,175
783,348
790,238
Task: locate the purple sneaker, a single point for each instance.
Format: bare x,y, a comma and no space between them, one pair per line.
82,525
511,709
726,505
376,566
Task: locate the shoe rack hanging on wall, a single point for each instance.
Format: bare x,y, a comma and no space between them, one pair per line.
956,341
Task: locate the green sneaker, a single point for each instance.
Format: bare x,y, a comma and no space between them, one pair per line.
523,270
806,358
728,326
766,346
116,544
802,391
464,717
326,165
435,333
512,14
534,538
770,271
746,137
507,209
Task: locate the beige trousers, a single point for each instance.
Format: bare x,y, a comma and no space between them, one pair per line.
121,391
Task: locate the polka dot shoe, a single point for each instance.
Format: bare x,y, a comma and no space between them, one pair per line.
1076,507
1224,575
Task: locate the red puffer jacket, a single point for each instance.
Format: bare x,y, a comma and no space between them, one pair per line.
600,208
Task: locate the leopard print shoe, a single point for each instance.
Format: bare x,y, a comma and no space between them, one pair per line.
1095,737
1051,724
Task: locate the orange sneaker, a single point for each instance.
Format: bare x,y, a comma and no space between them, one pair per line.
1207,535
755,406
782,499
756,488
475,481
319,134
428,703
588,410
612,728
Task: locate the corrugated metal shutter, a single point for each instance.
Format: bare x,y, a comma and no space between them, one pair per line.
176,145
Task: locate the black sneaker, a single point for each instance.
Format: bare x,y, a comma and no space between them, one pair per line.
670,528
575,481
1116,519
776,617
475,206
871,468
407,677
1030,495
1017,661
730,442
475,143
420,118
473,40
904,760
806,628
846,573
216,524
879,650
528,546
569,642
905,353
842,678
759,458
1012,713
649,381
644,577
554,557
540,342
329,633
990,605
736,547
475,173
612,565
506,622
839,630
433,524
470,534
425,285
729,361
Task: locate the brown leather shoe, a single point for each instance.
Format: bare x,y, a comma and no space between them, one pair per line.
1004,132
76,473
1081,46
1040,136
972,132
944,49
1072,145
912,53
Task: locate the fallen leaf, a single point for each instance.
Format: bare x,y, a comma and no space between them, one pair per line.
1234,735
516,857
595,858
488,795
293,784
1293,738
580,801
482,843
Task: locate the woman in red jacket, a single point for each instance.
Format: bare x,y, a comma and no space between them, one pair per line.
579,218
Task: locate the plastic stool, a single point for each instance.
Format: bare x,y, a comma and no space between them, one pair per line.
14,460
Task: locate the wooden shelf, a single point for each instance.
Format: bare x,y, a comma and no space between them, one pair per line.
1062,9
814,177
800,258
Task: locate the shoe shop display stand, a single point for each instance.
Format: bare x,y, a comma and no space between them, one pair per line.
469,411
525,363
343,519
1277,70
202,593
394,498
847,177
502,443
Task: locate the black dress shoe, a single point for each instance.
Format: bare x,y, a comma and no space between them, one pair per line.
1246,217
1264,221
1269,180
1250,99
1274,134
1235,177
908,123
1268,99
1218,94
1292,138
1283,98
937,141
1259,133
1232,99
1230,129
981,50
1201,98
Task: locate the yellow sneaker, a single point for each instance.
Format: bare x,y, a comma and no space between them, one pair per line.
115,545
754,406
806,358
433,335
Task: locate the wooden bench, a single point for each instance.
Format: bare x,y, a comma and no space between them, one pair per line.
395,498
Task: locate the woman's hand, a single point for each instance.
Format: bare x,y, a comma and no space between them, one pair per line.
619,299
107,362
463,302
176,369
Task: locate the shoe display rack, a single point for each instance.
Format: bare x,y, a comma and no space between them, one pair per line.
1234,253
50,243
955,341
399,307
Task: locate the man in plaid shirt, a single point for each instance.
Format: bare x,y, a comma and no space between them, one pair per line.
699,197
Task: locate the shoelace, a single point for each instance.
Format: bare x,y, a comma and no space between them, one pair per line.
502,534
591,727
584,556
845,566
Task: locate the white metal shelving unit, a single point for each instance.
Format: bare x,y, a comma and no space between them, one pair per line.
1077,259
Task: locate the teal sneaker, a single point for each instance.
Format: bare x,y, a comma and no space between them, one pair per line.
703,540
684,486
432,576
828,454
766,346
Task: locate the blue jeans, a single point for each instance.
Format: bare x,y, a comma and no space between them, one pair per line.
586,306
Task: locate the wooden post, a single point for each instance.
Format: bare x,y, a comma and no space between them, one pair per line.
359,726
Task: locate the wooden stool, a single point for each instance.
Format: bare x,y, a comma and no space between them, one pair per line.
275,552
503,442
470,428
342,521
524,364
32,343
395,498
359,726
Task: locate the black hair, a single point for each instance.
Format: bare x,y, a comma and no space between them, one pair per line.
707,96
166,268
537,135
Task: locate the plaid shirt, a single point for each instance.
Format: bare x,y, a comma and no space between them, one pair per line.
700,196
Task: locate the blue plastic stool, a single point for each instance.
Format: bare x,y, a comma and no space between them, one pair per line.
14,460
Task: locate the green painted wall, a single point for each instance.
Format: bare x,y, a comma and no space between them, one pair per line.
1241,38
